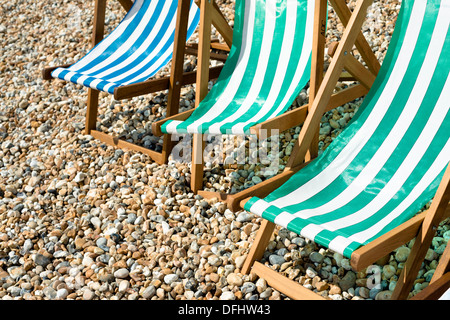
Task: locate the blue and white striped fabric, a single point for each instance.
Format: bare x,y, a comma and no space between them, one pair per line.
136,50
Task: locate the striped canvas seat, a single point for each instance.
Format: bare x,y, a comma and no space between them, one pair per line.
134,51
268,65
388,162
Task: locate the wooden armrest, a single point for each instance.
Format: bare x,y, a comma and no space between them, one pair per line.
47,71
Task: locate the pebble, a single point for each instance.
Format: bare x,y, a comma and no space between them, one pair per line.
389,271
276,259
383,295
402,254
248,287
123,286
121,273
374,292
41,260
170,278
149,292
311,273
228,295
62,293
316,257
234,279
88,294
347,281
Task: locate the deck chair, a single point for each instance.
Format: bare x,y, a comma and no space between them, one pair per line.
151,34
439,287
361,196
277,48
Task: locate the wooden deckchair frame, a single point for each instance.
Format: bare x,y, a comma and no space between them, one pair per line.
173,83
291,118
422,227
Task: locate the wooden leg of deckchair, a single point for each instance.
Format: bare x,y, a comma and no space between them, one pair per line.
274,279
99,22
209,14
91,112
97,36
176,76
167,147
317,62
198,146
204,45
259,245
424,238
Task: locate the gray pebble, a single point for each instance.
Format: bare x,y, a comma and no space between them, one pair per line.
276,259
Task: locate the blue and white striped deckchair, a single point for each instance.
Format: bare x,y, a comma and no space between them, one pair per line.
388,163
121,63
136,50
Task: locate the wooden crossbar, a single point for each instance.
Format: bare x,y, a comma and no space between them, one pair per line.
298,116
120,143
279,282
154,85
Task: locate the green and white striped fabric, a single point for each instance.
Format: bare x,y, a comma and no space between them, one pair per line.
388,162
268,65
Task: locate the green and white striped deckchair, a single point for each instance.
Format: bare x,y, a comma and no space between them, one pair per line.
269,64
388,163
278,46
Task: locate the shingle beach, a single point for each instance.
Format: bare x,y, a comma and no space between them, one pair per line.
83,220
